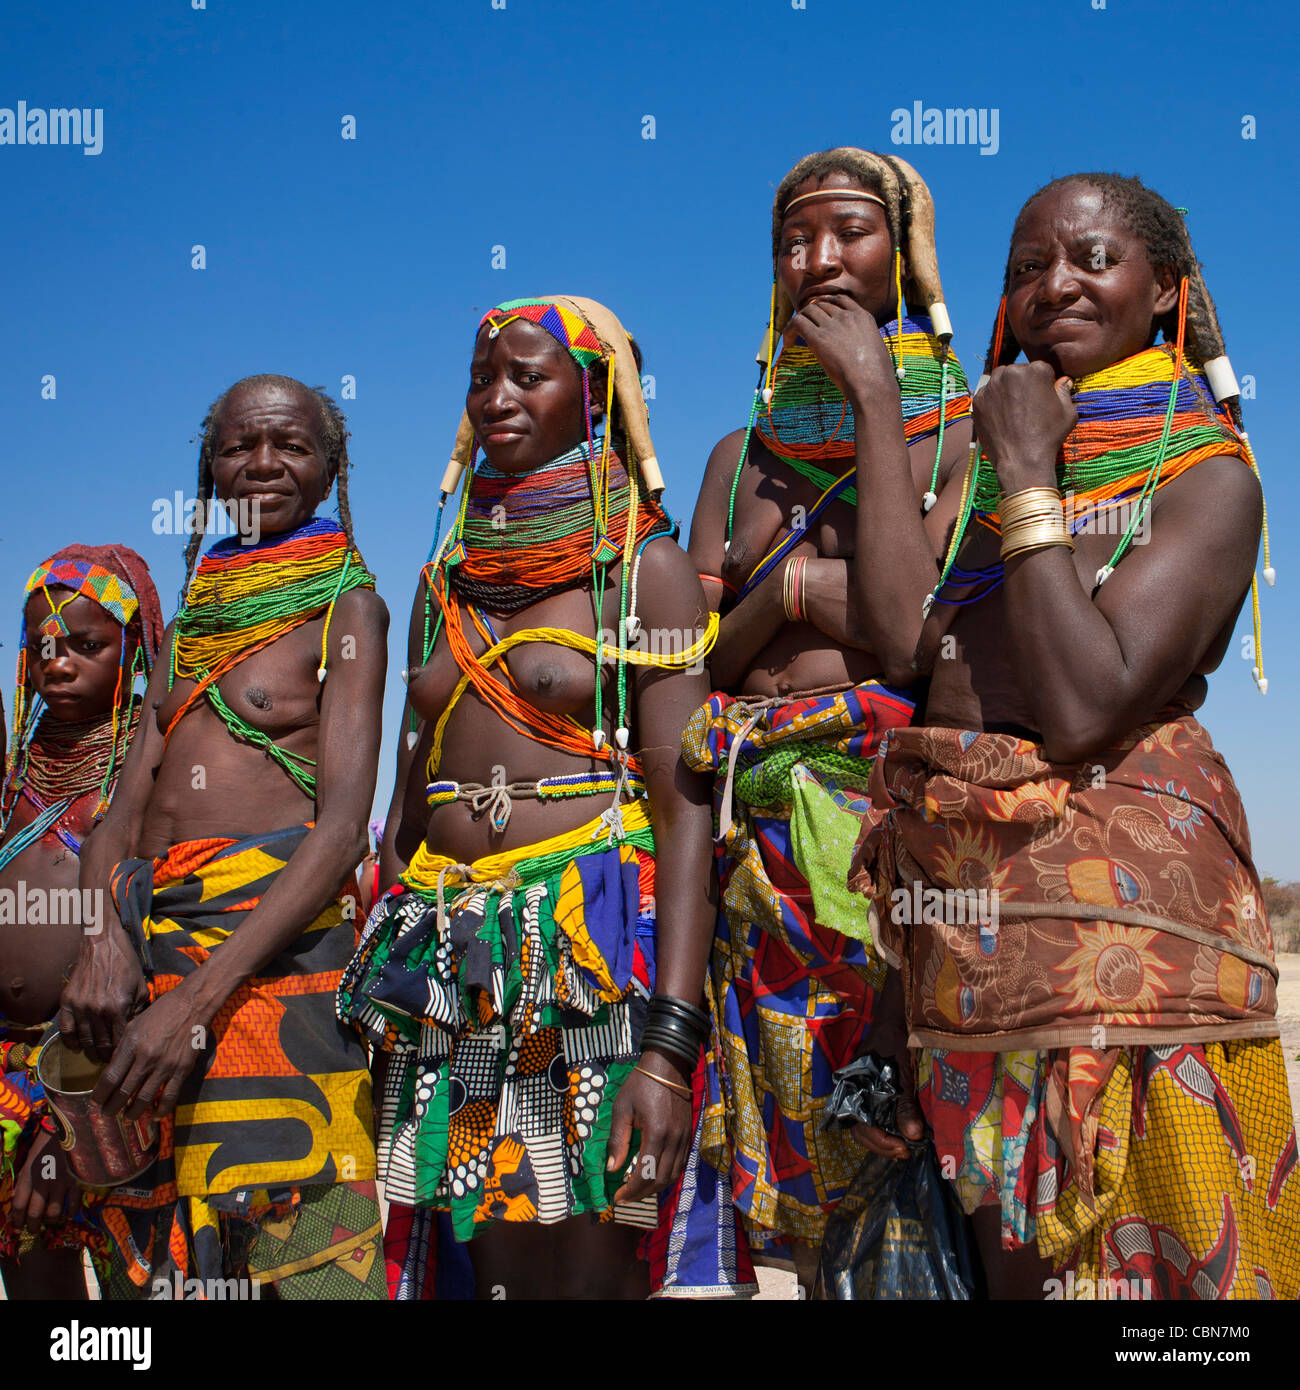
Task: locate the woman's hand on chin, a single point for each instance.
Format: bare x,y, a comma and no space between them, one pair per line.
1023,415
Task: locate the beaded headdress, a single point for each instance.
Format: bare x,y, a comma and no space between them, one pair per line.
118,580
619,515
111,591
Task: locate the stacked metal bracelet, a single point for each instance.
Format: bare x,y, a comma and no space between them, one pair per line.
1032,518
675,1028
792,587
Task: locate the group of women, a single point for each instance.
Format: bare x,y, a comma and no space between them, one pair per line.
654,808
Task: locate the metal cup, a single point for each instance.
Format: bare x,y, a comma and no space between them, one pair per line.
104,1150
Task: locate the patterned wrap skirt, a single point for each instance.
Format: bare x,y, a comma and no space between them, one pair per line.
1099,1058
510,995
794,973
265,1171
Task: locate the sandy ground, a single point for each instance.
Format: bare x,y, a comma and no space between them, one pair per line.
777,1284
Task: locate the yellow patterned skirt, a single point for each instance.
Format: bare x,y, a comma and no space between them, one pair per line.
1178,1181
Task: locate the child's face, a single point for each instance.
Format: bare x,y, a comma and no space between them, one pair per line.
76,675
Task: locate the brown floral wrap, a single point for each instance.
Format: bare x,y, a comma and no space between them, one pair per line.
1128,908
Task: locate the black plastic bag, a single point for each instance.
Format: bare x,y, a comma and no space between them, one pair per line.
898,1232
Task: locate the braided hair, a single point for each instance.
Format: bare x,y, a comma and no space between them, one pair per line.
1161,228
333,434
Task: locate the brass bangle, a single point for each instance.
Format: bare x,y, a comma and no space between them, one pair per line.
1035,538
1017,506
1032,519
663,1081
792,578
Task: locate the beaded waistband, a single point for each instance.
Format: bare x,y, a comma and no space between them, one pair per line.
498,799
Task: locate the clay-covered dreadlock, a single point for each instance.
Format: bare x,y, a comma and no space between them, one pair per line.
1161,228
909,210
333,439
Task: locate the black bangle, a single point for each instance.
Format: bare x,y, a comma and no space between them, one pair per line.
673,1052
687,1028
676,1042
665,1007
673,1031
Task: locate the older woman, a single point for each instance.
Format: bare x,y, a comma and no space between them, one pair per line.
1090,976
779,534
533,988
239,819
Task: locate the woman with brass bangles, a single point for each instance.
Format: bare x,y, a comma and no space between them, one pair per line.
532,989
1098,1053
800,704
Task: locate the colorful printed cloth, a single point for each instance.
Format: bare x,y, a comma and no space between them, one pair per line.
22,1108
302,1244
699,1248
794,976
425,1261
1151,1151
1192,1172
511,994
279,1100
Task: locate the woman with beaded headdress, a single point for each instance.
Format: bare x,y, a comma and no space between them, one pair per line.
1099,1060
226,862
778,533
91,625
534,991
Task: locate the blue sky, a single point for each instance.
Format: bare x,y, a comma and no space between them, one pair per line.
523,127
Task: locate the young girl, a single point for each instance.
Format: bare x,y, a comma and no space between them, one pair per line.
533,984
91,624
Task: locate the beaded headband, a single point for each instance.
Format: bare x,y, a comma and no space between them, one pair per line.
589,332
113,594
566,327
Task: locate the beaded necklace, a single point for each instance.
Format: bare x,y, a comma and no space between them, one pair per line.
1142,422
520,537
524,536
244,597
557,547
71,759
60,763
807,419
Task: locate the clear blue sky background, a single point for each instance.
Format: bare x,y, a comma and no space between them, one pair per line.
523,128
